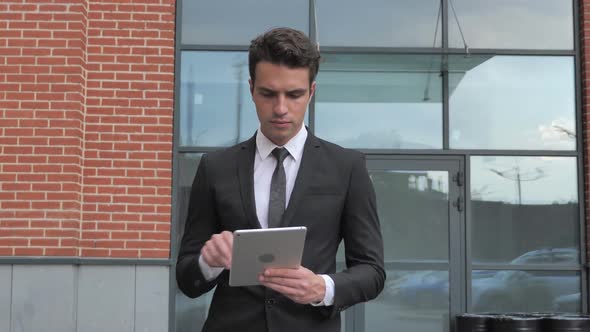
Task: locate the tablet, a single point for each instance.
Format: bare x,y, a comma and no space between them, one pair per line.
257,249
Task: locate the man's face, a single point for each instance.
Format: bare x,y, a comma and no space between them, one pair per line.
281,95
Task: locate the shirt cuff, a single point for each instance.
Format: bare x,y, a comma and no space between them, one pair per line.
209,272
329,296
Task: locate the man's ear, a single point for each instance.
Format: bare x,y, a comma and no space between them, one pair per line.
251,87
311,90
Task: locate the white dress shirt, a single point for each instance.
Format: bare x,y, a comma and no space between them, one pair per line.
264,166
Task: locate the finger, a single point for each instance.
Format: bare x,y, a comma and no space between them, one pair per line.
221,249
287,282
284,273
210,258
291,292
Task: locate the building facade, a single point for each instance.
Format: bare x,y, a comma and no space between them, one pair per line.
472,115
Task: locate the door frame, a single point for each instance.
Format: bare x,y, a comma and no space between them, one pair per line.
455,166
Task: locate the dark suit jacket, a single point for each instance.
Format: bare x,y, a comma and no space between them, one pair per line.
333,197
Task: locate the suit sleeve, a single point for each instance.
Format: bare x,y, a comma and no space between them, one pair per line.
201,223
364,276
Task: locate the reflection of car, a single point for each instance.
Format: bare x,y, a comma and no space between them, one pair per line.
520,291
548,256
510,290
567,303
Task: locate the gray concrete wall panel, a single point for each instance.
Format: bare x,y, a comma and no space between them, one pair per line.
5,296
43,298
106,298
151,305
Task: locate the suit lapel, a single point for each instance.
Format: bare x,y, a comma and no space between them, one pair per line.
310,151
246,178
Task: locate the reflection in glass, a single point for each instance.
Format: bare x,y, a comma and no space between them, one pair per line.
215,103
379,23
190,313
187,169
411,301
525,291
512,102
509,24
524,210
227,22
413,209
380,101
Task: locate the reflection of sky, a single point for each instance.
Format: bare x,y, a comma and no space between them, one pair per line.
237,22
212,101
368,101
381,125
514,102
377,22
516,24
557,173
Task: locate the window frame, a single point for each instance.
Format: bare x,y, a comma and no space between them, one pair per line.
466,154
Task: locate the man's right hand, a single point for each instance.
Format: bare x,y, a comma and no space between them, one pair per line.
217,251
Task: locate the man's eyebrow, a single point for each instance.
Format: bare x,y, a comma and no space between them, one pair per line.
264,89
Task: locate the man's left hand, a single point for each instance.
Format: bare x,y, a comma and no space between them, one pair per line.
300,285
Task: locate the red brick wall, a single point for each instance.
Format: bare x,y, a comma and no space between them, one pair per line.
86,93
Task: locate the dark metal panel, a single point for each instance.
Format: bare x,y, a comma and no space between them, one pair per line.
467,238
175,171
43,298
580,147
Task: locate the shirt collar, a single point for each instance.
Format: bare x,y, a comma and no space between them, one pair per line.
295,145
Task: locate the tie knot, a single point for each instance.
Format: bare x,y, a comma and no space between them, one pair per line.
280,154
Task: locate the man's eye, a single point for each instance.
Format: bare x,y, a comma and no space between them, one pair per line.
294,95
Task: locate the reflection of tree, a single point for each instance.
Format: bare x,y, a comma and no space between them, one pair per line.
479,193
517,176
568,132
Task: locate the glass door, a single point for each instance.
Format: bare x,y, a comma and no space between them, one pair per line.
420,203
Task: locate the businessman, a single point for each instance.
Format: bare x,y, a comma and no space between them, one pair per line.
283,176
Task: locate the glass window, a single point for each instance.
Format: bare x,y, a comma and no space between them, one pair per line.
512,102
509,24
379,23
525,291
216,108
413,210
525,210
380,101
190,313
227,22
411,301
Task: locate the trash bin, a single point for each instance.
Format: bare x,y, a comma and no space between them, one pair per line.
516,323
473,322
567,323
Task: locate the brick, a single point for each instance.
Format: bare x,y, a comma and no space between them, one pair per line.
124,253
61,251
155,253
28,251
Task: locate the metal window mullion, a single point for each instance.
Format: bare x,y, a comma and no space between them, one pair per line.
175,171
580,147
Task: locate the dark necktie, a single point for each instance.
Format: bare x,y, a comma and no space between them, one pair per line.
278,189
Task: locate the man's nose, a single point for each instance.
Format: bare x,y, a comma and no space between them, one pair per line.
280,107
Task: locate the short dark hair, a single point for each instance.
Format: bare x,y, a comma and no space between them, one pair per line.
284,46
